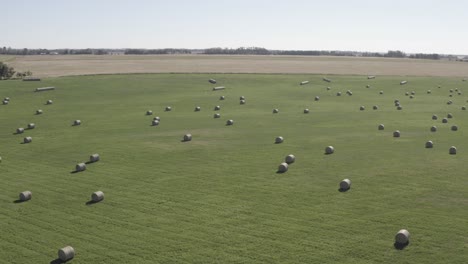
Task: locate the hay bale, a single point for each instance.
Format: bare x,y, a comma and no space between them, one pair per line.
403,82
27,140
216,108
218,88
450,95
187,137
306,111
80,167
345,184
449,115
429,144
375,107
230,122
413,92
350,93
97,196
362,108
38,111
168,108
94,157
406,93
197,109
242,98
275,111
222,97
31,79
5,102
212,81
6,99
19,130
328,88
463,108
279,140
402,237
367,86
452,150
49,102
326,80
31,126
283,167
242,102
317,98
381,127
429,91
338,94
149,112
434,117
290,159
396,101
444,120
217,115
411,97
451,90
155,122
77,122
329,150
157,118
399,107
304,82
454,128
65,254
371,77
44,89
396,133
381,92
433,128
25,196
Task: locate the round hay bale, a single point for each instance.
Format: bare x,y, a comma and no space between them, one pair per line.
367,86
396,101
20,130
155,122
38,111
230,122
375,107
449,102
149,112
345,184
275,111
454,128
279,140
456,89
27,140
381,92
450,95
6,99
350,93
242,98
49,102
80,167
402,237
399,107
217,115
242,102
197,109
406,93
463,108
429,144
65,254
329,150
338,94
216,108
157,118
381,127
362,108
290,159
397,104
222,97
5,102
428,91
396,133
77,122
451,90
433,128
317,98
328,88
452,150
444,120
283,167
168,108
187,137
459,93
31,126
97,196
25,196
411,97
94,157
306,111
434,117
449,115
413,93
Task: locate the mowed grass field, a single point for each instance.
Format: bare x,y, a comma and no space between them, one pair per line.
218,198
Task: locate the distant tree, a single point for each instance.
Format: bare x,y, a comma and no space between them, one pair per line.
6,72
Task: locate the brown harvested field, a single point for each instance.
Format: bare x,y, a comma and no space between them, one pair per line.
58,65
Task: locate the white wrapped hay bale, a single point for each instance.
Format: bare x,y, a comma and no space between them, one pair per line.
218,88
77,122
279,140
197,109
6,99
230,122
306,111
149,112
31,126
97,196
371,77
396,133
452,150
345,184
168,108
49,102
20,130
283,167
38,111
5,102
304,82
25,196
27,140
157,118
275,111
429,144
155,122
216,108
217,115
94,157
290,159
433,128
67,253
80,167
403,82
242,102
242,98
454,128
402,237
187,137
329,150
381,127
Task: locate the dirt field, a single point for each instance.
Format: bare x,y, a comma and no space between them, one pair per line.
53,65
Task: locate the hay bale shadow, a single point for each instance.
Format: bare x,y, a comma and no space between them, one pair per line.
90,202
343,190
400,246
18,201
89,162
56,261
75,171
280,172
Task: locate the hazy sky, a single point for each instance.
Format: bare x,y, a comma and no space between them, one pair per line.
409,25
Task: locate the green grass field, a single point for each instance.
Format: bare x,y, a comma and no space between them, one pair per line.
218,198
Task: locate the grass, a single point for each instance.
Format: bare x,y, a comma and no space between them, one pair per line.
218,198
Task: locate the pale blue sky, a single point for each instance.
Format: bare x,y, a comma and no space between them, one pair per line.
362,25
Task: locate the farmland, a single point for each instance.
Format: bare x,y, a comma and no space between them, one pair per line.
218,198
